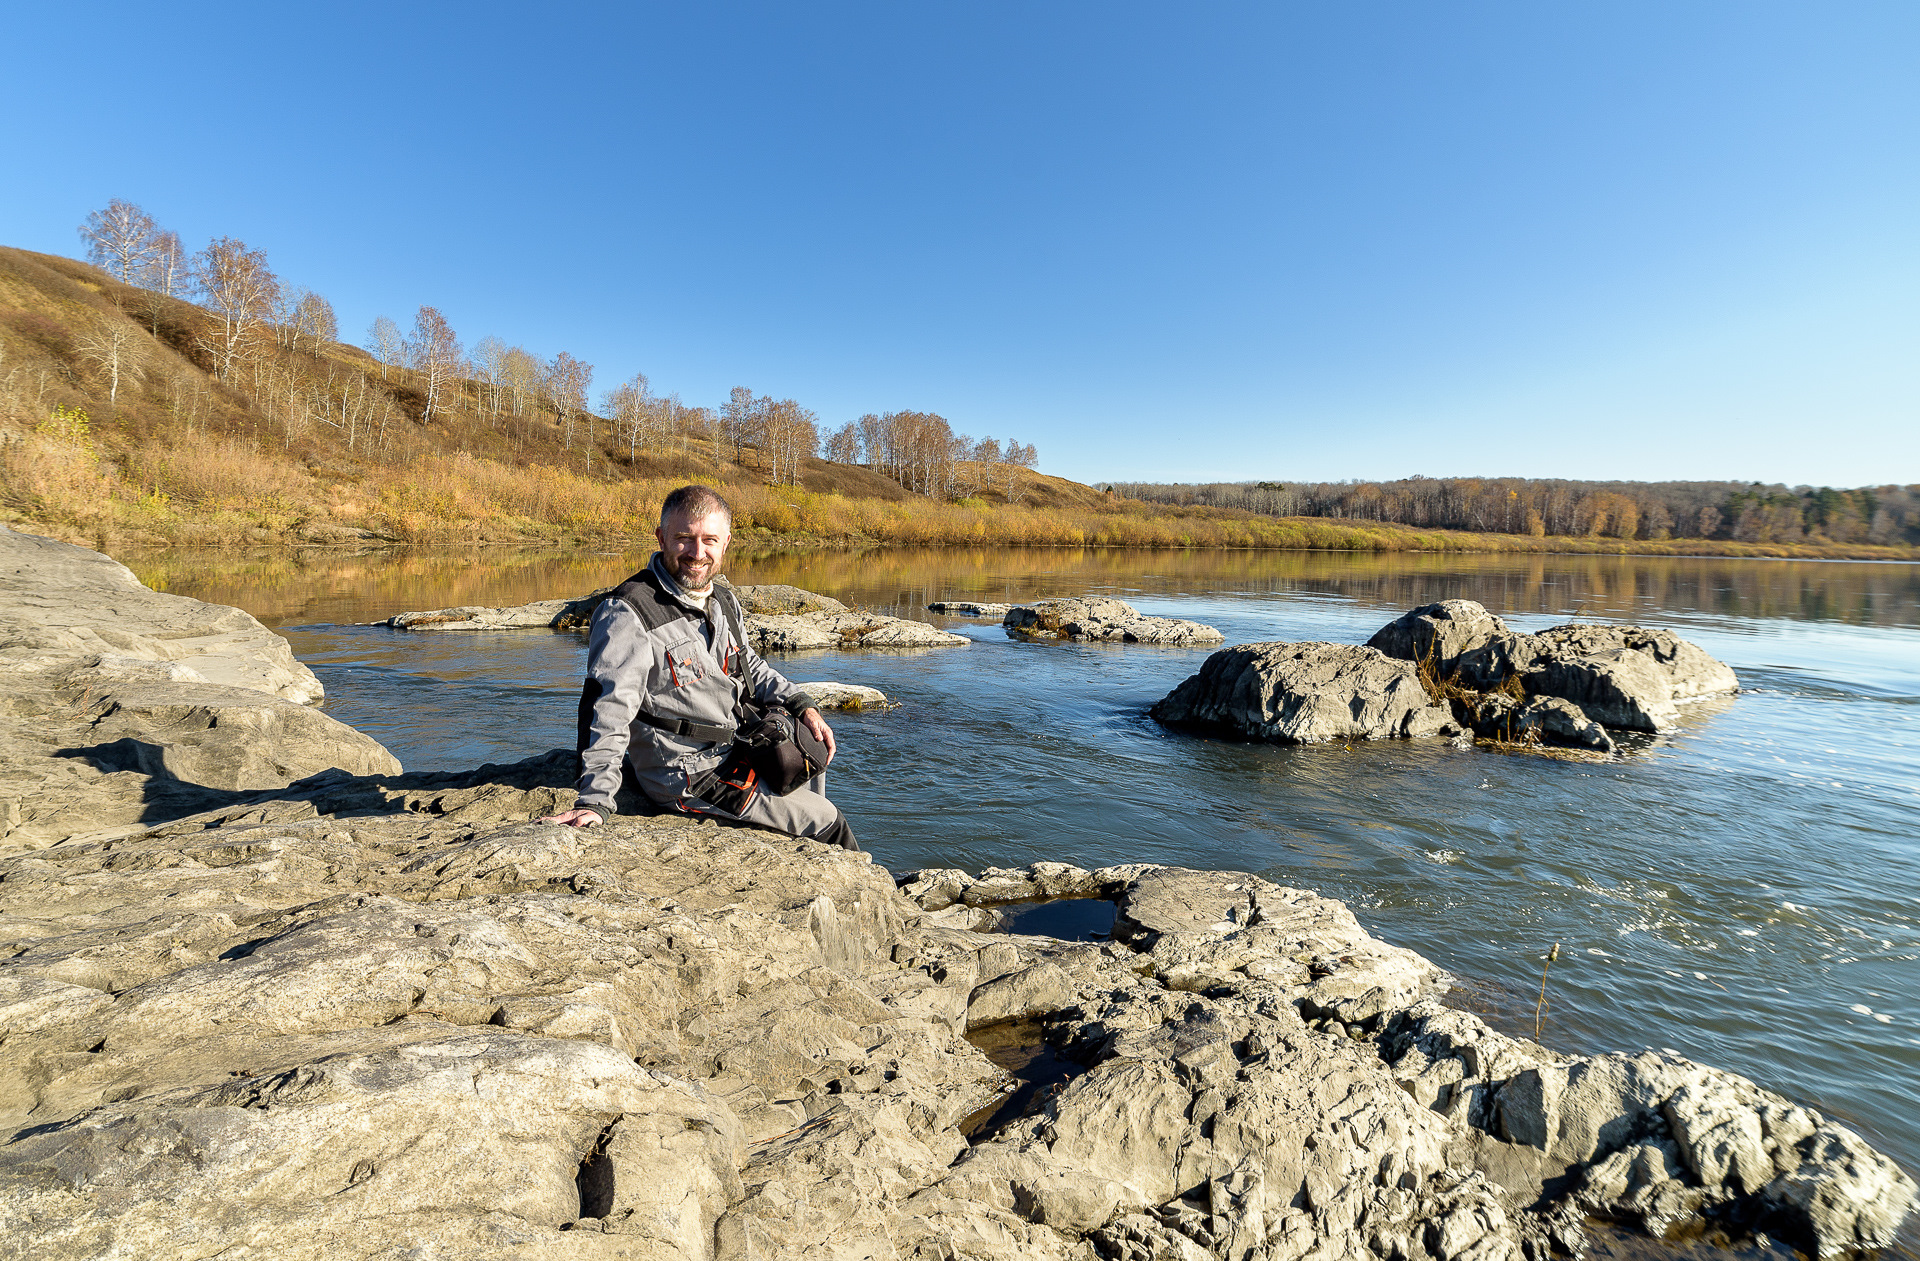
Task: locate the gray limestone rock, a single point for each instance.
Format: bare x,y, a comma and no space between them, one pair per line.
782,599
1440,633
1305,693
120,706
1102,619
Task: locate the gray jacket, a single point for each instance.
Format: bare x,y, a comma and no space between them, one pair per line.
674,670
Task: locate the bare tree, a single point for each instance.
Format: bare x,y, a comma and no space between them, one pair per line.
567,382
115,350
843,444
434,352
241,289
490,365
789,434
739,419
120,239
384,339
634,411
166,274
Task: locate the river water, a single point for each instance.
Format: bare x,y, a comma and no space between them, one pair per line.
1745,891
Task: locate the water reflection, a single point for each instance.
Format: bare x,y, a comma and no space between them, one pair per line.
321,585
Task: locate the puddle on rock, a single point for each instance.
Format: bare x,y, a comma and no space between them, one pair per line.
1020,1047
1064,919
1611,1241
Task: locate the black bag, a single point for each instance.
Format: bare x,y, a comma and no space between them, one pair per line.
779,749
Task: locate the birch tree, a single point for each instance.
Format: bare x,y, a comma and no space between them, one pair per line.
120,240
385,342
241,290
115,350
434,352
567,382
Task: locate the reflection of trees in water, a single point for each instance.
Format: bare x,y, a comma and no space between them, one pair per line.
324,586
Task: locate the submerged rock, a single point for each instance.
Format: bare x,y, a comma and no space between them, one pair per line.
1101,618
1305,694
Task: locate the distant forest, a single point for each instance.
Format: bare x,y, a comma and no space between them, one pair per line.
1739,511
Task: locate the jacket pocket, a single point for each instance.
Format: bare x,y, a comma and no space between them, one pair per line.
685,665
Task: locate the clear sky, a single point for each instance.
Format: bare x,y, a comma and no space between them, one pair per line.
1171,242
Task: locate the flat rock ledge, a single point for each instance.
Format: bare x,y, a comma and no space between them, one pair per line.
1448,669
969,608
395,1016
779,619
1099,618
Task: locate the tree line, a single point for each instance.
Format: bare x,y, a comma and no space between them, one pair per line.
427,375
1751,513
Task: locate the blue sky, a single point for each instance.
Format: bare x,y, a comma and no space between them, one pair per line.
1172,242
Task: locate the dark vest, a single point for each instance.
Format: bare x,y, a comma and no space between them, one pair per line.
643,594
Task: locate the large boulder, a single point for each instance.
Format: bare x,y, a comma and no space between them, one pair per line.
1104,619
1439,633
1305,693
1621,676
781,598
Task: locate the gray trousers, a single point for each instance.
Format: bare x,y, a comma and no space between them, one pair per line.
805,812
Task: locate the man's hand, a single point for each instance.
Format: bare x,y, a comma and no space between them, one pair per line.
812,721
575,818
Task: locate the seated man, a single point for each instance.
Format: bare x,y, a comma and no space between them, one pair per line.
667,667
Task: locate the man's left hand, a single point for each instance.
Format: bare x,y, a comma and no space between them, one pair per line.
813,722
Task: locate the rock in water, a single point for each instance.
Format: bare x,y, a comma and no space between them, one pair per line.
778,619
1100,618
1439,633
1305,694
1626,677
969,608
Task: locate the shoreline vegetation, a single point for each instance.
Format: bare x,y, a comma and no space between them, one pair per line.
136,420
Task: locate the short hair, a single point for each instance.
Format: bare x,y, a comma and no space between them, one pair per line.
695,502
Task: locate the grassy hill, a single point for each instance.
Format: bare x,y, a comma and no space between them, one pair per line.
117,431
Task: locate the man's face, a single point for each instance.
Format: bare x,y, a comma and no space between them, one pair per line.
693,547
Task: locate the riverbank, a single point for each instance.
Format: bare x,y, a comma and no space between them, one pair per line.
67,489
430,1019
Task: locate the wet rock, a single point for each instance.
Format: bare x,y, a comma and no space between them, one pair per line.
1545,720
1305,694
539,615
969,608
778,619
1101,619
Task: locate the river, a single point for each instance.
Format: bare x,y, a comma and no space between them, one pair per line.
1745,891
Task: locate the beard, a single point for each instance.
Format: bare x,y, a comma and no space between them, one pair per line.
684,572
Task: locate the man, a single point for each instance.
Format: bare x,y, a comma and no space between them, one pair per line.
667,664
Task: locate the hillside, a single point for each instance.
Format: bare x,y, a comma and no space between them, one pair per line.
133,420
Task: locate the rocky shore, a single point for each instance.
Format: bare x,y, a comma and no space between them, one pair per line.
372,1014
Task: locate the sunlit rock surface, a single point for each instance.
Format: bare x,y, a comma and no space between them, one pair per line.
1100,618
394,1015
